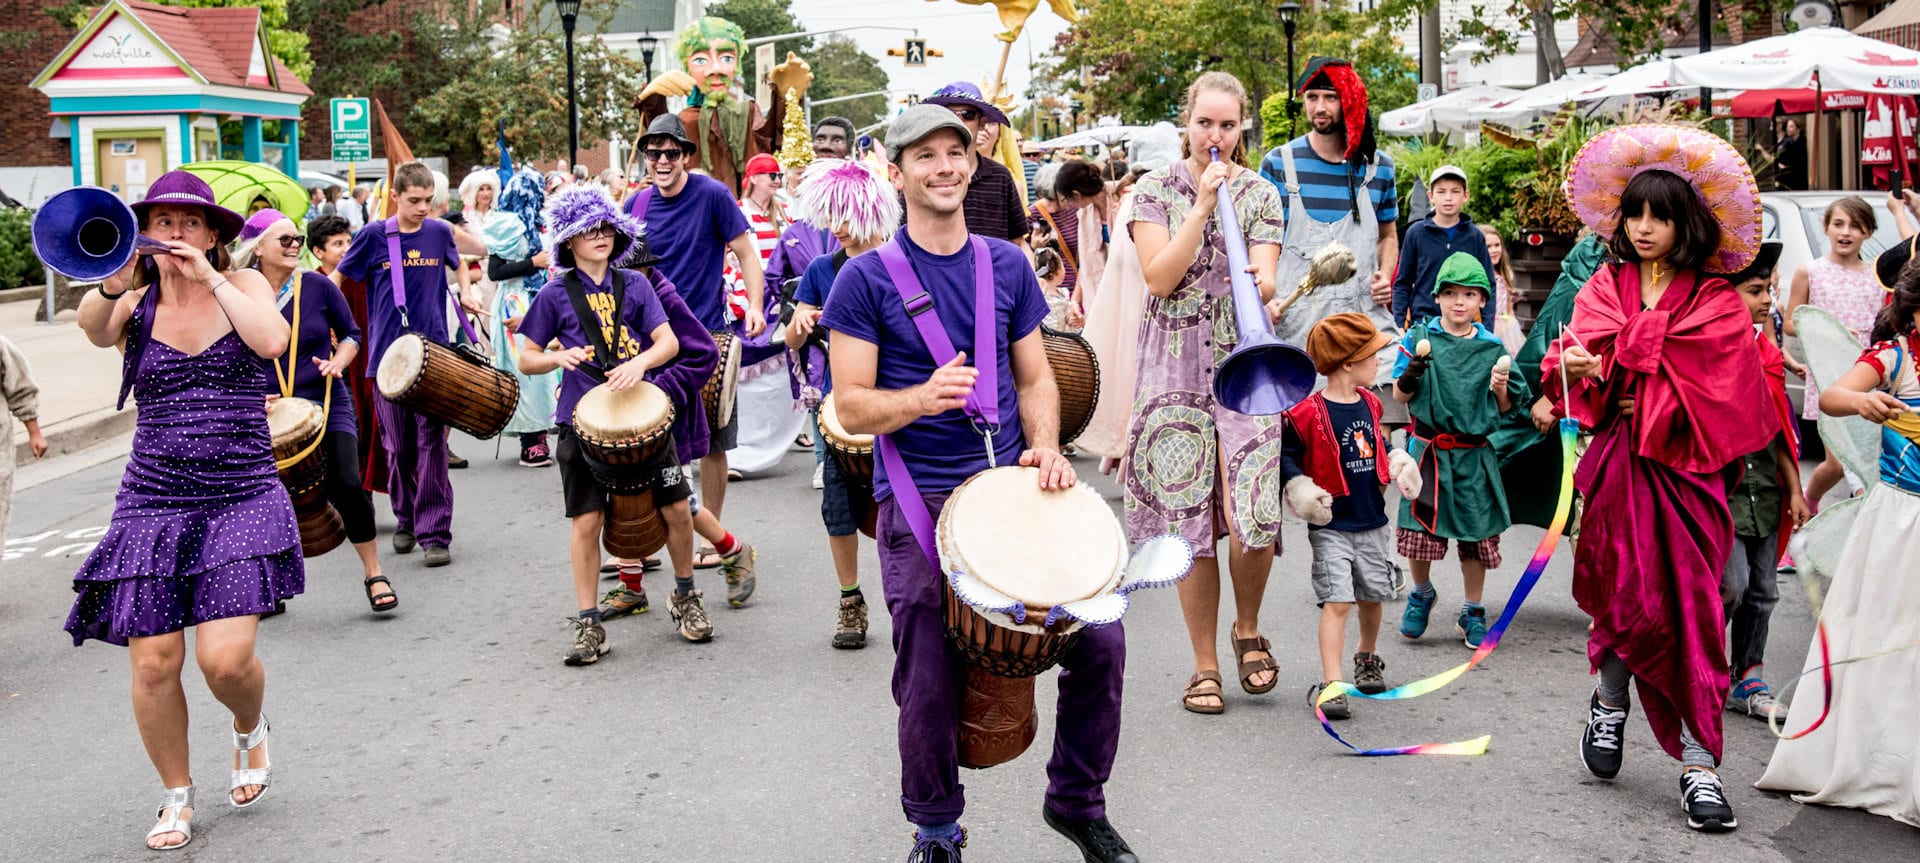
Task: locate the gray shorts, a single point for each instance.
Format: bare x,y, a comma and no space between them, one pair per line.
1352,566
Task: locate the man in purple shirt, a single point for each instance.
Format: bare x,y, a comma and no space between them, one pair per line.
691,221
416,444
887,382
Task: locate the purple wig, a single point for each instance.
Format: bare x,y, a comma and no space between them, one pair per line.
850,195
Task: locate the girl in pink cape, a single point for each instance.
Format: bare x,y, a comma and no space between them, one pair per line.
1658,362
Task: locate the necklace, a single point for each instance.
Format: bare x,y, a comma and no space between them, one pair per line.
1661,269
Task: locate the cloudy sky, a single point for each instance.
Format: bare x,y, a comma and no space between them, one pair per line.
963,31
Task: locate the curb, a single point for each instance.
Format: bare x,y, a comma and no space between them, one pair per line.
80,432
20,295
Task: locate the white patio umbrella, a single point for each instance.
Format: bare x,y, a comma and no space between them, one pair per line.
1104,136
1828,57
1536,101
1655,76
1447,113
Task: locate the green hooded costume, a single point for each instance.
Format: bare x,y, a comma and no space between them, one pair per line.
1454,414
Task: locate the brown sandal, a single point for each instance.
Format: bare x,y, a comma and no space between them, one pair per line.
1203,685
1250,667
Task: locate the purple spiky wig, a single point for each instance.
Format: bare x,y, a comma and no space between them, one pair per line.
852,195
576,209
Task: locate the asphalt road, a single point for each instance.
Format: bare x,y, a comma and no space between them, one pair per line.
451,730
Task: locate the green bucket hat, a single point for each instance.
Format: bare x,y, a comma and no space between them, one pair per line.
1463,270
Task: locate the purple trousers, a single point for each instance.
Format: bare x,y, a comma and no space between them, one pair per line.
417,481
928,679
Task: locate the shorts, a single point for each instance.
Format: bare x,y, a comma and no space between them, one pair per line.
725,438
836,500
1420,545
1352,566
585,495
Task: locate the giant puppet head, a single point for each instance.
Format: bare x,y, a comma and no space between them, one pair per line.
710,49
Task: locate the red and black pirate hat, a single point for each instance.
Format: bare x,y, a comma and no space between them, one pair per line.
1331,73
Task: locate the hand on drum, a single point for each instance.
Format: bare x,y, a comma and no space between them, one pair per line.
1056,472
571,358
627,375
329,367
947,389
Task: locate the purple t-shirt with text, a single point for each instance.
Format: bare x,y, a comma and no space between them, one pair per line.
689,232
940,451
551,316
430,253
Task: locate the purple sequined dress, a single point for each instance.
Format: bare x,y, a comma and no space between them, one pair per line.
202,528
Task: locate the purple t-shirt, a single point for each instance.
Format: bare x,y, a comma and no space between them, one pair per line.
689,232
941,451
430,253
324,317
551,316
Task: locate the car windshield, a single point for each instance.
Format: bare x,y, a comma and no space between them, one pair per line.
1885,237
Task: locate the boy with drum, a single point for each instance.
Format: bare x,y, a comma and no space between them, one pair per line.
416,444
629,337
938,432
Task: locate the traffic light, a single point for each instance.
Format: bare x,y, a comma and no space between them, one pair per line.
916,53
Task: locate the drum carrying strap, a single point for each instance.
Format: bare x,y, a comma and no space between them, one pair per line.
983,410
287,377
395,275
605,357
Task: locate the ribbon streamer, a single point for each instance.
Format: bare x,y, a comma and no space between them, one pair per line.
1569,432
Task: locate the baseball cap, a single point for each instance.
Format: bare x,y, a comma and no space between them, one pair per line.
1444,171
917,123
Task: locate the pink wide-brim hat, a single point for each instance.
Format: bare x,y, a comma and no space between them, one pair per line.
1598,176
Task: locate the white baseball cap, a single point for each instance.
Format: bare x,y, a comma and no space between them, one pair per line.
1454,171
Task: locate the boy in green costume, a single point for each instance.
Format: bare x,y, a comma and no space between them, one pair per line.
1454,409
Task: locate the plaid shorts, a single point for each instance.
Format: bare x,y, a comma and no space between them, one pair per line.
1420,545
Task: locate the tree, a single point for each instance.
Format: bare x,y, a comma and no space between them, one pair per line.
763,18
840,68
355,62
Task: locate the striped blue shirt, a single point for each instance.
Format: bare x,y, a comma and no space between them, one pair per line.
1324,184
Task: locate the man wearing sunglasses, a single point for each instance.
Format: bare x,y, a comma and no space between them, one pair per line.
993,205
691,222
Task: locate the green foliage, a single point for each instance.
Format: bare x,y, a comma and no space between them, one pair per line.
18,265
1638,29
358,63
1494,173
764,18
840,68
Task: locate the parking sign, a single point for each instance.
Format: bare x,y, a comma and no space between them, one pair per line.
352,130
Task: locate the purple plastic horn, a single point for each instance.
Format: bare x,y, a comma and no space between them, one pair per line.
85,233
1264,375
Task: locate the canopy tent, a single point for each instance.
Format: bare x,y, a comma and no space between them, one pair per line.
1451,112
1899,23
1827,57
1098,136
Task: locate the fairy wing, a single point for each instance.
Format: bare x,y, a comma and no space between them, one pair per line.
1831,351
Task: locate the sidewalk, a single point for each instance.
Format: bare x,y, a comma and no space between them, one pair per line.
78,383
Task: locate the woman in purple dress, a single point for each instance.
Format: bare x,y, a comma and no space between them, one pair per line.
203,534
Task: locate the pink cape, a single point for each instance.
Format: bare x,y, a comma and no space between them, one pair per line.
1657,530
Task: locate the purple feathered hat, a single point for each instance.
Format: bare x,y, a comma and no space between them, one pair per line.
576,209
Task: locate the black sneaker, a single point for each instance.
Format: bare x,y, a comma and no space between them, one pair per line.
1705,802
1097,840
927,849
402,542
1600,743
1335,707
1369,673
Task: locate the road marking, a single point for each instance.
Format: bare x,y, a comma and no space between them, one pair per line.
23,546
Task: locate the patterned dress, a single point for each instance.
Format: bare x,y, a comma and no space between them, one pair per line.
1178,435
1853,296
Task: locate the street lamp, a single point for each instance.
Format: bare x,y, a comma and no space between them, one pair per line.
569,11
1290,22
648,43
1077,105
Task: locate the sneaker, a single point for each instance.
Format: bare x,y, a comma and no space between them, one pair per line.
455,462
1097,840
933,849
690,613
1335,707
1600,743
739,572
437,555
1705,802
1413,621
851,633
589,642
1786,564
402,542
1472,625
537,455
1752,697
1368,673
820,475
620,602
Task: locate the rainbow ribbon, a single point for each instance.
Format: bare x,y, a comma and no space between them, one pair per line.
1569,432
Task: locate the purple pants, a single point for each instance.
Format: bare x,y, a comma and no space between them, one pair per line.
417,481
928,679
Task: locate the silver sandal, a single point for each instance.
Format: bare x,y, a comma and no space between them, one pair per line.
261,776
179,800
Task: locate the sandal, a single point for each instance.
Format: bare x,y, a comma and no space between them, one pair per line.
1250,667
381,602
179,800
705,557
1205,684
243,745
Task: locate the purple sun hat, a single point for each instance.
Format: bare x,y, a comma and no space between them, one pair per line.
964,93
259,222
185,189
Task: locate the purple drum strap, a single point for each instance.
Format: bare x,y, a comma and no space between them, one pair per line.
395,275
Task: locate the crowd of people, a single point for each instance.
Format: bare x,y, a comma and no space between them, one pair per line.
1661,337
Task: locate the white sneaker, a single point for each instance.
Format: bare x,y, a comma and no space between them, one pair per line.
820,475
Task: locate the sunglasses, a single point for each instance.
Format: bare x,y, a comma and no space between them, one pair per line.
672,155
292,241
602,232
967,115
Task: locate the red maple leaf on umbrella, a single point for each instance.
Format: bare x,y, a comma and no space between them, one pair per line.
1775,55
1875,58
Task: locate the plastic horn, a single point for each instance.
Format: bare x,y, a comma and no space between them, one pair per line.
87,233
1332,265
1264,375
